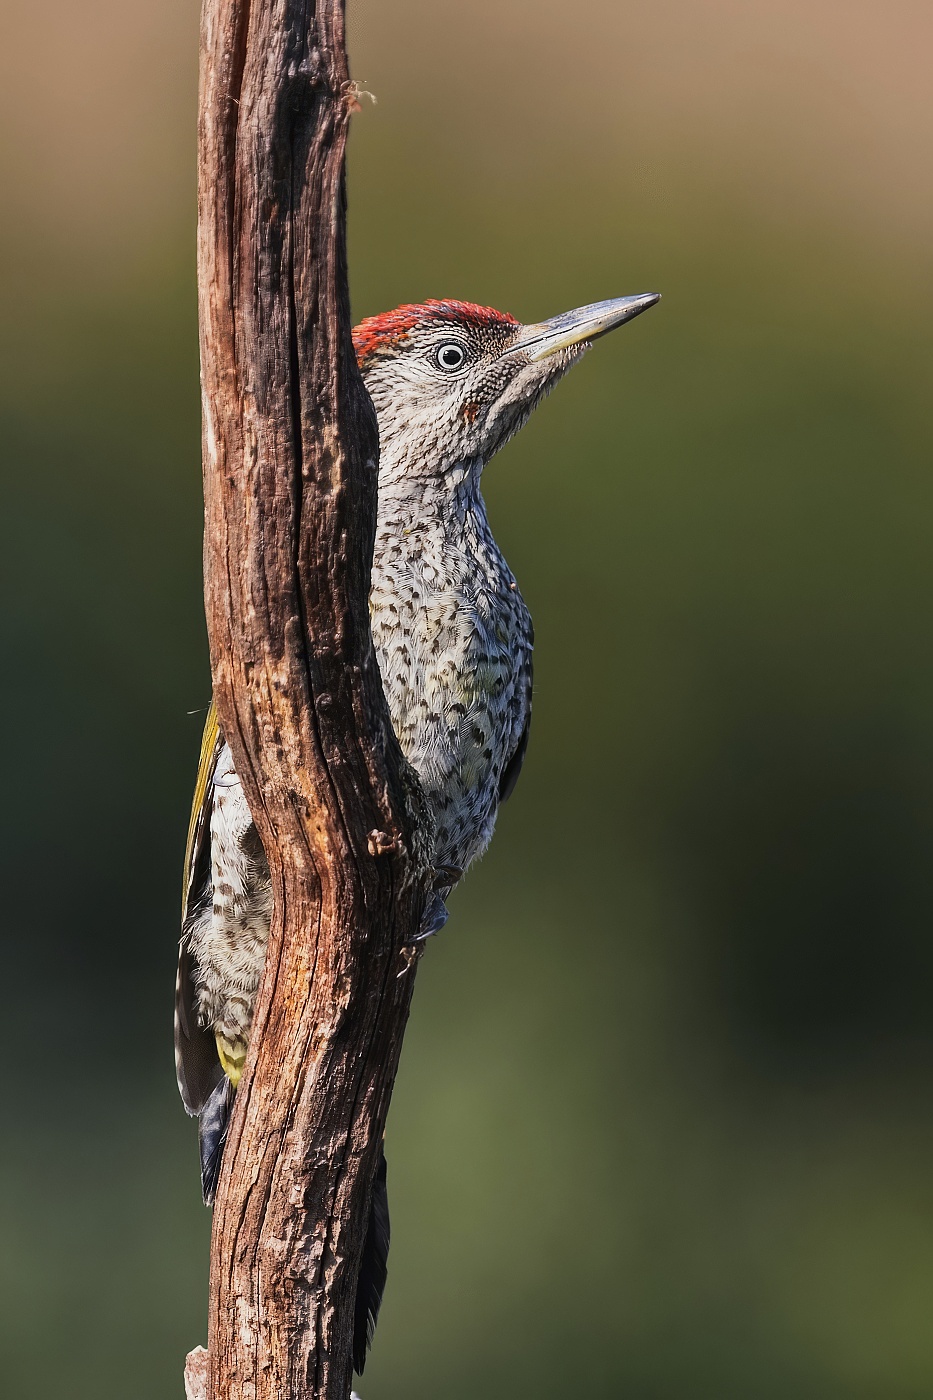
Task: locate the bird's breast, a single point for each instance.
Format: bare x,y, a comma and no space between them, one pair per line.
453,641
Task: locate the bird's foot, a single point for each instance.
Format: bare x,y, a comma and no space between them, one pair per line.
436,912
433,920
434,917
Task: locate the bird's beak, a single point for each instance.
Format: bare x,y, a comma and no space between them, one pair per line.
586,323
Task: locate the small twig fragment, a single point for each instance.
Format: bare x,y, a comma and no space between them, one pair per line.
352,92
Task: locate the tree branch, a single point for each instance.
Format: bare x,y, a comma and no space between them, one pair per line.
290,464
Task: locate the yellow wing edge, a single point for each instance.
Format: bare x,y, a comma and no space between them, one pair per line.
210,745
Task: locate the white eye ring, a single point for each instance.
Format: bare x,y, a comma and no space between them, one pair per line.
450,356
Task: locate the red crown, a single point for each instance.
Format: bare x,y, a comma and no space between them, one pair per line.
378,332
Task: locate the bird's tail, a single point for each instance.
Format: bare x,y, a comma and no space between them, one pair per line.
213,1121
374,1268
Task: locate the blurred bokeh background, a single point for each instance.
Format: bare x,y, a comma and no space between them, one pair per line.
664,1124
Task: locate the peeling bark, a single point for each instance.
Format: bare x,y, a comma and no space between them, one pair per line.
197,1375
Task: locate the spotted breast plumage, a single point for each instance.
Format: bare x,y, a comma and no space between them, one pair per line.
450,382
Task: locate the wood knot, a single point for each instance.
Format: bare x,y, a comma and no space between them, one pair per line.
381,843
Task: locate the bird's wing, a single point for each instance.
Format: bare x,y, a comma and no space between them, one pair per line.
197,847
196,1063
514,763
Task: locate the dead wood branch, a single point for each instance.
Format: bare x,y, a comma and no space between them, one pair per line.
290,456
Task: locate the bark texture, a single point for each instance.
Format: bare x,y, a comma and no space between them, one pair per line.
290,462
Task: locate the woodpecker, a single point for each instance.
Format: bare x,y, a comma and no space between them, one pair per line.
451,383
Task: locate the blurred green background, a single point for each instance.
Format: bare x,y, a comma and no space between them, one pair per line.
664,1124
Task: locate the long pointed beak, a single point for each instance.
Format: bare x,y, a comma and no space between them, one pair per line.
586,323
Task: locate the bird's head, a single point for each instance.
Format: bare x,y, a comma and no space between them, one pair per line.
451,382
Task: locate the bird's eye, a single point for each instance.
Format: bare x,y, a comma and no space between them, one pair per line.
450,356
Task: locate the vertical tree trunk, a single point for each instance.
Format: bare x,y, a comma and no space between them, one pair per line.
290,457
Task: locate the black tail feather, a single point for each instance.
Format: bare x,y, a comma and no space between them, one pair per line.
374,1269
213,1121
